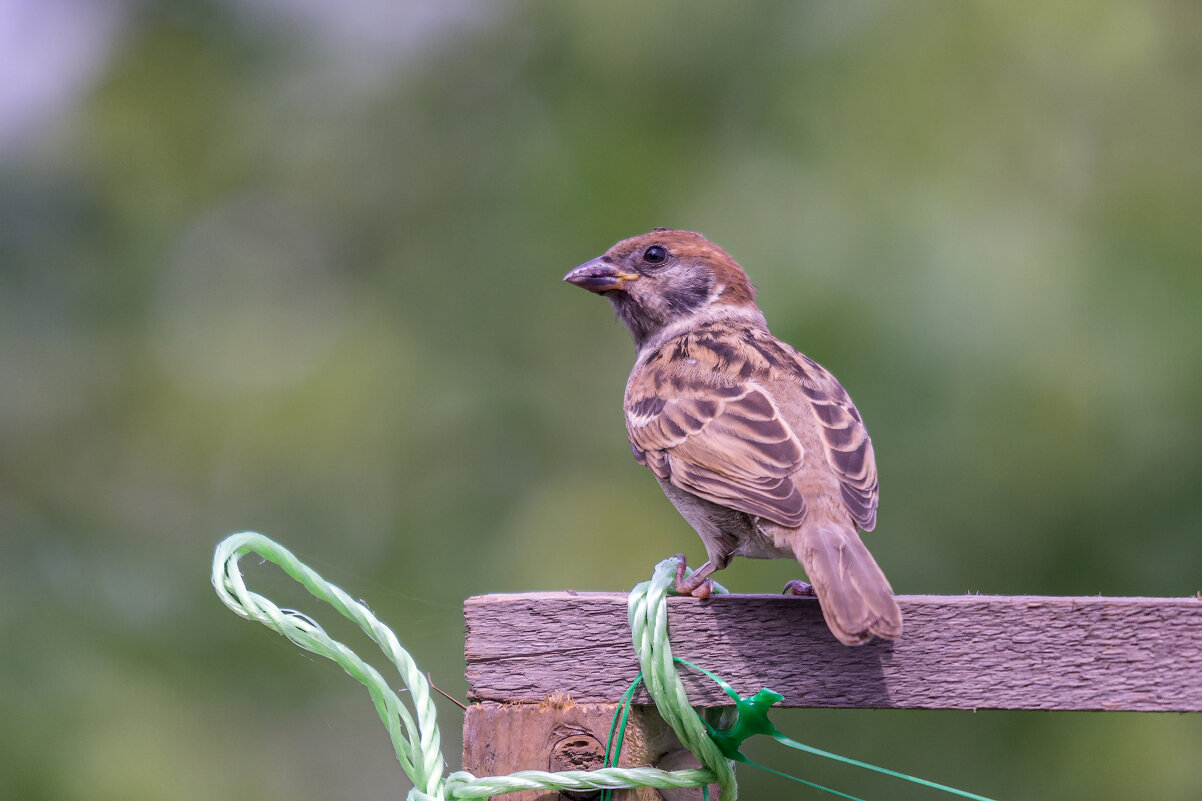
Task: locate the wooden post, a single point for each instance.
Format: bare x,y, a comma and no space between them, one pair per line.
547,668
558,734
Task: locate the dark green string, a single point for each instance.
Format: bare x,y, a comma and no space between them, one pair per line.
752,719
803,781
618,727
613,748
617,734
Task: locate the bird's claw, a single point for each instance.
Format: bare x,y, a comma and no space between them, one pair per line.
799,587
696,585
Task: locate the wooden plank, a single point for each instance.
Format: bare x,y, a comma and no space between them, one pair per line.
556,735
957,652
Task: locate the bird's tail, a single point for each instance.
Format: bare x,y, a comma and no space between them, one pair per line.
854,594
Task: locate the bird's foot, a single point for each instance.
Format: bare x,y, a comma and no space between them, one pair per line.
799,587
698,585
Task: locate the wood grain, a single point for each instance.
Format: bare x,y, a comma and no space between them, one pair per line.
499,739
957,652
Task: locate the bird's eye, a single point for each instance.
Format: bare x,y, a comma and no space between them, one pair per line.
656,254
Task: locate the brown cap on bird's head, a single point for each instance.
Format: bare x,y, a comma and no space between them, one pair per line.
663,277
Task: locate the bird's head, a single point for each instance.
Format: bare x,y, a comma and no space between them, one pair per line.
667,282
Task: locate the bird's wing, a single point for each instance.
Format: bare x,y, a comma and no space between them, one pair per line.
699,420
844,436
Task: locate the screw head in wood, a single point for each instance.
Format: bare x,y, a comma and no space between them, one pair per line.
578,751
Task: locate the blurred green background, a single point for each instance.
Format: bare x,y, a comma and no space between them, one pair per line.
294,266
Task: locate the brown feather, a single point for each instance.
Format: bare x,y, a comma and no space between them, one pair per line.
854,594
731,447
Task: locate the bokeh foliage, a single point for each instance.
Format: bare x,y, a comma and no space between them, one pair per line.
297,270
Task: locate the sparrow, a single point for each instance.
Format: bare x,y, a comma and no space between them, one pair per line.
757,446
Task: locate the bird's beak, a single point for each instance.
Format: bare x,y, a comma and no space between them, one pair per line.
599,275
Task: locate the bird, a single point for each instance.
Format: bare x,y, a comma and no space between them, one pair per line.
758,447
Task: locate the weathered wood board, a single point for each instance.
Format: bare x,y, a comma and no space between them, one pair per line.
957,652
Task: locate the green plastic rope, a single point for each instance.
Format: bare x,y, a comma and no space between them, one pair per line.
418,747
647,612
415,736
416,740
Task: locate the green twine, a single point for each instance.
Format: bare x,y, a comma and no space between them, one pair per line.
417,743
415,736
647,611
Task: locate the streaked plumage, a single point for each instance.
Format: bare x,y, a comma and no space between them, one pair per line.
757,446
